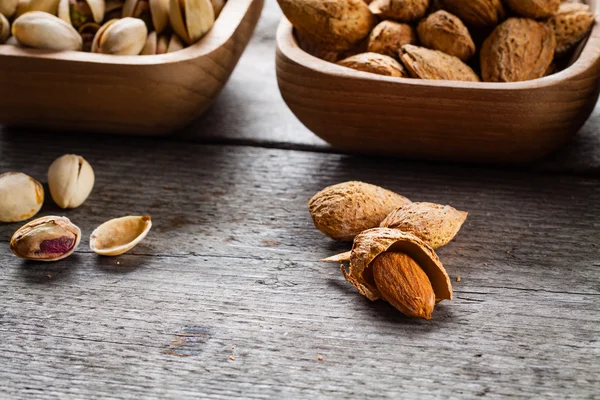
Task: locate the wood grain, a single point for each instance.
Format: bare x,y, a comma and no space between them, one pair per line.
232,261
147,95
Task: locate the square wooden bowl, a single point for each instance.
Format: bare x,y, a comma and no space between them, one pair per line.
361,112
149,95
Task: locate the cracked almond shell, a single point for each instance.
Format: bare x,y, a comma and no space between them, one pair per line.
375,63
435,224
519,49
430,64
533,8
332,25
344,210
571,24
371,243
476,13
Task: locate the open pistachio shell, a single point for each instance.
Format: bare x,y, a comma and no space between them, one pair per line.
46,239
8,7
435,224
160,14
4,29
369,244
125,36
191,19
119,235
44,31
80,12
21,197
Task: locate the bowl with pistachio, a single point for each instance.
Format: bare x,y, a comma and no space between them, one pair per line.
118,66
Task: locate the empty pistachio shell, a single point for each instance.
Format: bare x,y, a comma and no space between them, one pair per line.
80,12
119,235
191,19
371,243
21,197
8,7
44,31
435,224
344,210
70,179
125,36
46,239
4,29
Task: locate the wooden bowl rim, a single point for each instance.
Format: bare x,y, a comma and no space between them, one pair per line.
590,56
223,29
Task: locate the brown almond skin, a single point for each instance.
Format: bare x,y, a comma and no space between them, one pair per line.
519,49
388,37
403,284
334,25
344,210
375,63
430,64
534,8
400,10
476,13
571,24
445,32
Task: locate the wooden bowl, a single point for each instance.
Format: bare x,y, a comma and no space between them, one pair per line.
361,112
149,95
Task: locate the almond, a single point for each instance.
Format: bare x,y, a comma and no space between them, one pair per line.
344,210
534,8
388,37
571,24
375,63
334,25
476,13
400,10
432,64
435,224
519,49
445,32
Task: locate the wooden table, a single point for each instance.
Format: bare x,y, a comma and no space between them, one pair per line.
226,297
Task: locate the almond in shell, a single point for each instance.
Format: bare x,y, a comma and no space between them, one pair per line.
476,13
534,8
375,63
400,10
435,224
430,64
572,23
445,32
519,49
344,210
388,37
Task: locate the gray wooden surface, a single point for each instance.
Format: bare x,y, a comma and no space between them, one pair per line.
226,297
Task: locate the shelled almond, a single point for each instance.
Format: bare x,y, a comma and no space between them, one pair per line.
475,40
118,27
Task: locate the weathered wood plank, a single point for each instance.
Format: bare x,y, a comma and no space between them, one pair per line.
232,261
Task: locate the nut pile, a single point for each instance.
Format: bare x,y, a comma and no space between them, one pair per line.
52,238
462,40
393,255
119,27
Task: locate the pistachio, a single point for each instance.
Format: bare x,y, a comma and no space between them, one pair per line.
44,31
4,29
119,235
8,7
47,6
81,12
191,19
125,36
162,44
70,179
46,239
21,197
150,47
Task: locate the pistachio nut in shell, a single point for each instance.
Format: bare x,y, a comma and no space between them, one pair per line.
44,31
430,64
374,63
21,197
119,235
88,33
435,224
71,180
344,210
155,13
333,25
191,19
373,242
571,23
8,7
400,10
81,12
445,32
4,29
46,239
125,36
47,6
